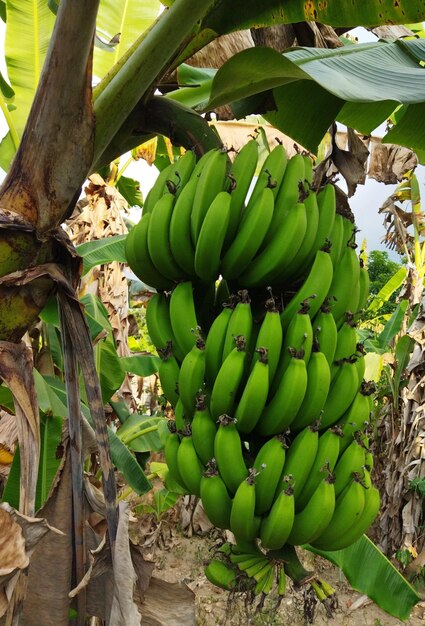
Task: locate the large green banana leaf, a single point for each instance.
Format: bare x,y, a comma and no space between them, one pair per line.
227,16
309,87
370,572
28,30
124,21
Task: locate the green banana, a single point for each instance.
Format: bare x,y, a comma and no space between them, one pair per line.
215,498
348,509
204,430
318,384
191,377
260,570
283,407
336,238
342,391
276,526
346,344
221,575
363,522
183,317
281,582
270,176
246,560
315,517
211,181
241,323
324,463
228,380
289,194
356,418
222,294
270,338
201,163
249,236
211,237
309,171
326,331
298,336
300,458
295,264
228,454
189,466
243,523
360,361
241,172
265,583
169,372
171,448
254,395
180,237
158,189
251,563
214,344
159,324
138,257
266,267
364,285
326,202
204,298
179,417
314,288
158,238
180,173
350,229
350,462
346,275
269,464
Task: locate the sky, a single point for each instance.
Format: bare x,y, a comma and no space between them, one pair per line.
365,203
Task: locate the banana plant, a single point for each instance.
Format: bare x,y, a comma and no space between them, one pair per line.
70,131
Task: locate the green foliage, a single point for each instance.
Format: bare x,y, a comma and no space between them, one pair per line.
418,486
379,579
381,269
163,501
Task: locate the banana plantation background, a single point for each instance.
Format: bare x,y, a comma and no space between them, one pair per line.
86,83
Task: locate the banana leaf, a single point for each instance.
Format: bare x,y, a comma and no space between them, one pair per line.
53,412
393,326
387,290
225,17
369,571
143,433
141,365
123,459
129,188
377,76
121,22
100,251
28,30
50,459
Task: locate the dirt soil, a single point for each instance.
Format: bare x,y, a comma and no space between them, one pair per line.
180,558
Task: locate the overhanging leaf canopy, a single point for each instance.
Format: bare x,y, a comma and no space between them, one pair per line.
348,13
329,84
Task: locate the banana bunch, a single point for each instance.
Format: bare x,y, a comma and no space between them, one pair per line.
254,320
207,219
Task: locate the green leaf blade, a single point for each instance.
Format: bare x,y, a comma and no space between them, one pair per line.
124,21
28,30
369,571
100,251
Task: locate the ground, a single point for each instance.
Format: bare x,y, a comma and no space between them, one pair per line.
181,558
